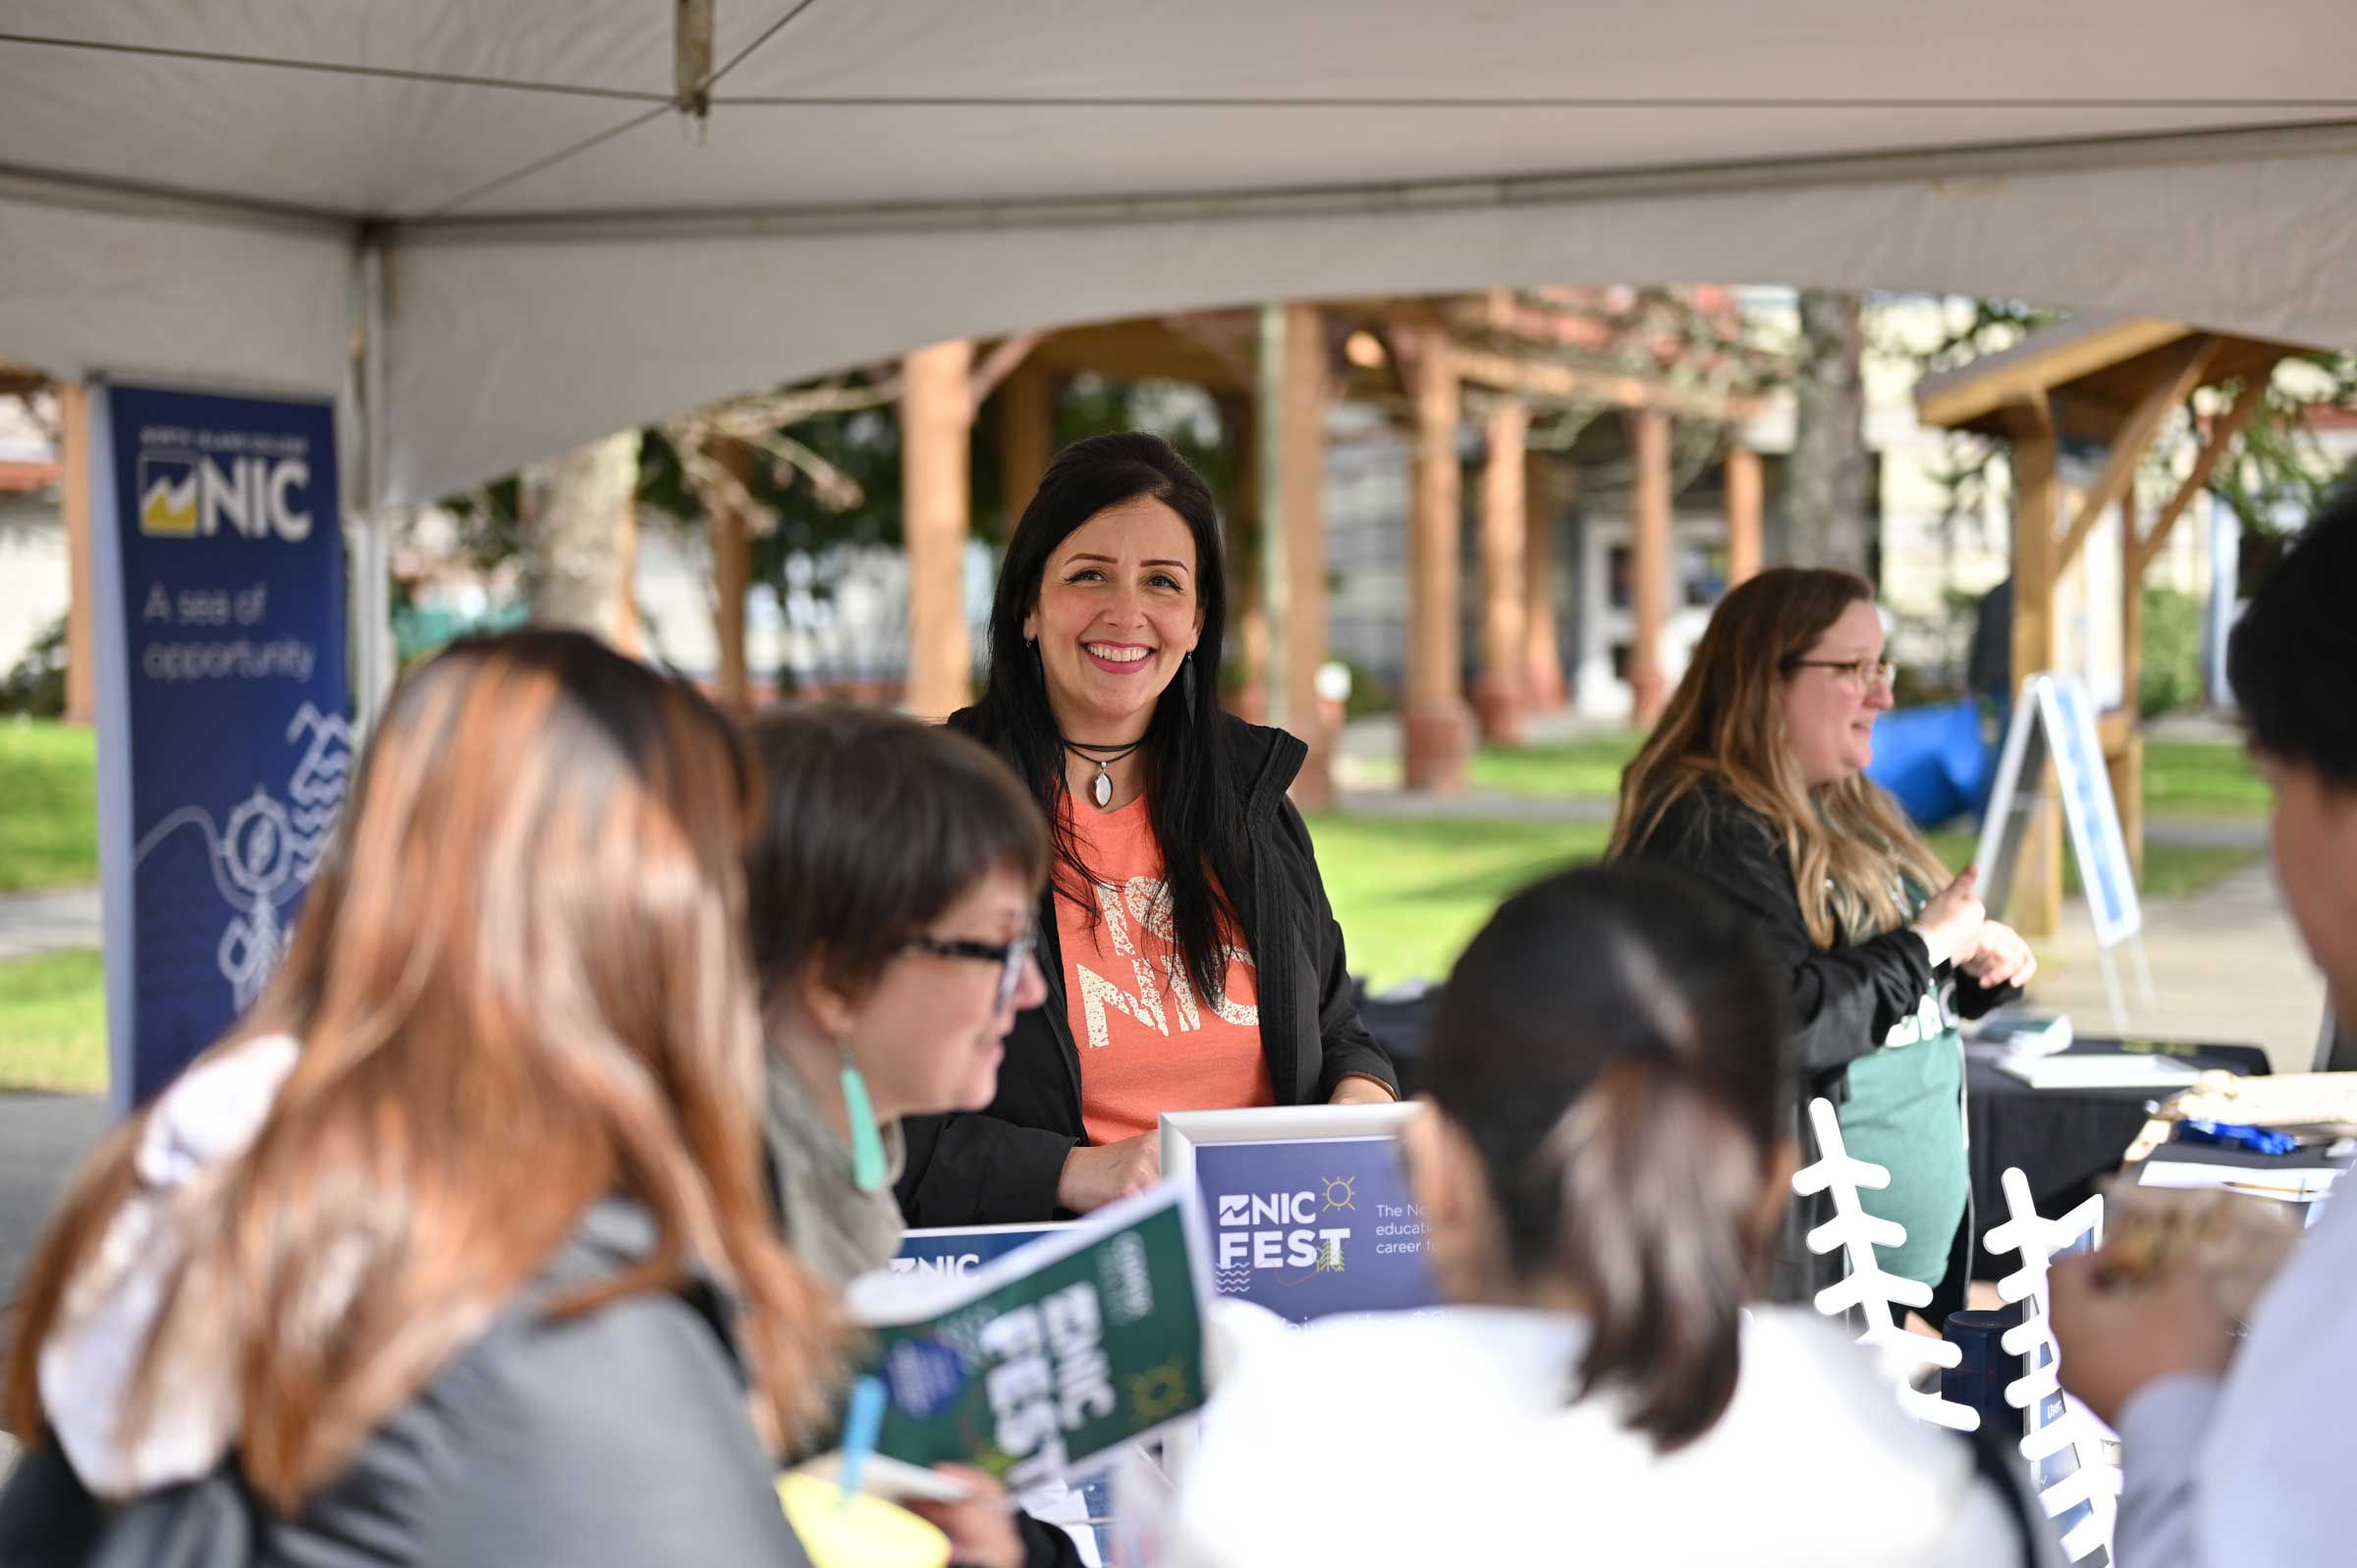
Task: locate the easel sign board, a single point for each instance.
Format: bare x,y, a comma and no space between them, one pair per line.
2055,721
1307,1207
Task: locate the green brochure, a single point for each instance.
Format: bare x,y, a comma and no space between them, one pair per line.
1039,1362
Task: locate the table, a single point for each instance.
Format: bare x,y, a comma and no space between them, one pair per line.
2064,1138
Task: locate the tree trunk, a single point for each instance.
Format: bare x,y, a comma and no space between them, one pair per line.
576,534
1829,484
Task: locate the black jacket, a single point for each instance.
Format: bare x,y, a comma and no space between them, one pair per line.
1845,998
1000,1166
612,1440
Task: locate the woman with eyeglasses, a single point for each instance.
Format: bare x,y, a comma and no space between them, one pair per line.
1755,780
1192,961
892,881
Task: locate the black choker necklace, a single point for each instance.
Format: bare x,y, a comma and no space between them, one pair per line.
1100,789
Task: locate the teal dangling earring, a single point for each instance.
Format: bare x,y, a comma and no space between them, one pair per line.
867,1144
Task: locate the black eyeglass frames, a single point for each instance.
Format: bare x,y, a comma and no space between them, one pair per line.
1009,955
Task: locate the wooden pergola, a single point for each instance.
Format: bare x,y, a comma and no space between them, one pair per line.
2114,383
1275,370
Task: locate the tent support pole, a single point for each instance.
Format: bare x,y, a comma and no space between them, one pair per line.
372,605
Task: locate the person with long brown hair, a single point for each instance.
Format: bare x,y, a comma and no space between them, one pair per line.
1754,780
455,1250
1597,1175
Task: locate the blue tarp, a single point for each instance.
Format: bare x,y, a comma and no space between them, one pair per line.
1935,760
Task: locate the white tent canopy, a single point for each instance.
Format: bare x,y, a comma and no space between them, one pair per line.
223,191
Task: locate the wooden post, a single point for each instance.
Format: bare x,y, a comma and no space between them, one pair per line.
936,432
730,534
1545,483
1300,456
1649,561
2034,905
2125,762
1498,690
74,495
1026,427
1437,729
1743,514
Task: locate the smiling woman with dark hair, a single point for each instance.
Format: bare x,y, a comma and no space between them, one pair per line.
1191,959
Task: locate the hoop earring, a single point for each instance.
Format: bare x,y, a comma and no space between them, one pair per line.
1187,684
1039,668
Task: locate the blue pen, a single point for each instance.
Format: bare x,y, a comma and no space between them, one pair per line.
2236,1135
862,1423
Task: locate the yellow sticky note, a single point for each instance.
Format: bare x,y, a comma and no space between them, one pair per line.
862,1532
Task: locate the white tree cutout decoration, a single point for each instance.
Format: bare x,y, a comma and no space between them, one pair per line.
2054,1426
1868,1288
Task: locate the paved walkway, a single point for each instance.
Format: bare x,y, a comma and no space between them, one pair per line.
49,921
42,1138
2227,965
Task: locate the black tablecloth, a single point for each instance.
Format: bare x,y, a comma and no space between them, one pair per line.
2064,1139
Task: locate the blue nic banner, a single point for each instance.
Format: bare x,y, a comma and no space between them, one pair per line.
225,701
1311,1226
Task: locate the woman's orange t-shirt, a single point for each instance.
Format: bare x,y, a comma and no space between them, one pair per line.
1148,1043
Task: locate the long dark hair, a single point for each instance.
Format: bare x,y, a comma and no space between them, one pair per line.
1614,1044
1196,811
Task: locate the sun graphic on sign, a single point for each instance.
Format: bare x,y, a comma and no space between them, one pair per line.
1159,1391
1346,1186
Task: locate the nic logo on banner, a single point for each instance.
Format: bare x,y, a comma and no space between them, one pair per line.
224,695
959,1250
1312,1226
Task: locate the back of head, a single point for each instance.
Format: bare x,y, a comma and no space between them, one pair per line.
1612,1046
875,824
519,985
2294,654
1724,727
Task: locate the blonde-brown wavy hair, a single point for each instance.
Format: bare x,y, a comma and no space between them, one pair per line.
520,984
1847,841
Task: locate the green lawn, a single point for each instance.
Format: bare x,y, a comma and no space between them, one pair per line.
1411,891
2170,871
48,804
1586,767
2200,779
53,1022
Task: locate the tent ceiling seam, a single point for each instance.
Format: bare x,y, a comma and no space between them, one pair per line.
547,161
2318,138
336,68
65,188
822,100
766,34
550,160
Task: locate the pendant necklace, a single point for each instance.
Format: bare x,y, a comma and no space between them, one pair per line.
1100,789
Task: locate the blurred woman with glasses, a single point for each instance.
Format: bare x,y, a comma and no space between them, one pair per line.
893,882
1755,780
